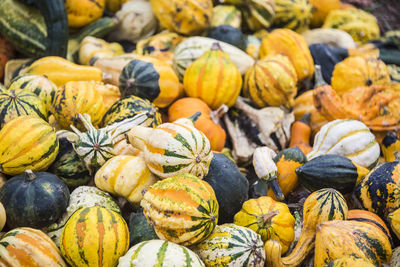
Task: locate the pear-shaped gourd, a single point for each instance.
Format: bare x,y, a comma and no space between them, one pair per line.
173,148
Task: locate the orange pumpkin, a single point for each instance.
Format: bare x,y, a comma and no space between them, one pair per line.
6,53
207,122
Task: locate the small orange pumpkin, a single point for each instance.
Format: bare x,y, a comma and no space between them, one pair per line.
207,122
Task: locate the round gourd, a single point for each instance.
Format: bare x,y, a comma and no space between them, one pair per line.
292,45
139,229
229,35
15,103
26,143
74,98
187,17
230,186
226,15
213,78
67,165
173,148
349,261
320,9
34,199
81,13
293,14
26,246
81,197
94,236
151,79
272,81
207,123
160,253
129,107
268,218
182,209
37,84
125,176
232,245
3,217
364,71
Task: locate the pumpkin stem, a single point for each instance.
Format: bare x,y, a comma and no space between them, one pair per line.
195,117
218,113
268,217
31,175
319,80
216,46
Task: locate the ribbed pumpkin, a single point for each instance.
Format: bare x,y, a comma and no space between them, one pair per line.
74,98
173,148
37,84
321,9
151,79
207,123
160,253
29,247
336,239
293,14
128,107
182,209
27,143
350,261
226,15
187,17
213,78
94,236
15,103
232,245
359,71
272,81
292,45
126,176
322,205
348,138
368,217
269,218
394,220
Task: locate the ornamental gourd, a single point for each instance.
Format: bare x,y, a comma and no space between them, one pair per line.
389,145
292,45
139,229
321,9
80,13
92,47
151,79
371,218
34,199
26,246
300,134
232,245
188,17
322,205
152,252
126,176
27,143
348,138
213,78
3,217
94,236
269,218
173,148
394,220
293,14
272,81
182,209
348,261
226,15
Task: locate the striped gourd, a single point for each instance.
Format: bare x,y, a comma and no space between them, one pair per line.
173,148
232,245
349,138
15,103
94,236
28,247
348,261
130,106
272,81
182,209
293,14
292,45
226,15
125,176
77,97
81,197
213,78
160,253
27,142
37,84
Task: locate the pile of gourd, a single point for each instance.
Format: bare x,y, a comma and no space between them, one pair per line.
198,133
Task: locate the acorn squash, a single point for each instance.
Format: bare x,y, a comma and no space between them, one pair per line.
228,34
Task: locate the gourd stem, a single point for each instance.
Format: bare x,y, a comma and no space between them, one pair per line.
268,217
195,117
86,121
306,118
218,113
215,46
31,175
319,80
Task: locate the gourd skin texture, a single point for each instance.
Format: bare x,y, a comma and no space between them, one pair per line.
370,218
394,219
349,261
321,9
292,14
226,15
82,12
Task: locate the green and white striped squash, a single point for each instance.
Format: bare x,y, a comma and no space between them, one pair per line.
194,47
348,138
173,148
159,253
37,84
81,197
15,103
232,245
293,14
